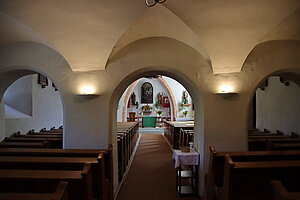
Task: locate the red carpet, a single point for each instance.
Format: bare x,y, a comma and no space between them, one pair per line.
152,173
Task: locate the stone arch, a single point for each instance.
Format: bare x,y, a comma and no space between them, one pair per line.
180,77
25,58
277,57
164,56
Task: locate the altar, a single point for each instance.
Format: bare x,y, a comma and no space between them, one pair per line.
149,121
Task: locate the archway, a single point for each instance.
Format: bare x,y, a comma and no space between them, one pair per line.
167,92
274,109
31,101
279,59
178,76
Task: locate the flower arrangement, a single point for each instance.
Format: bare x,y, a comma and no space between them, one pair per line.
146,108
159,112
185,113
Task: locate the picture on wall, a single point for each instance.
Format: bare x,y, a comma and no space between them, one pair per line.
166,102
147,93
43,80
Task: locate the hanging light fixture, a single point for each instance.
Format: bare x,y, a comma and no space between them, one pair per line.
151,3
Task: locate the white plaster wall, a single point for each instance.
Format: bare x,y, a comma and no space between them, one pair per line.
177,90
120,106
278,107
47,107
19,95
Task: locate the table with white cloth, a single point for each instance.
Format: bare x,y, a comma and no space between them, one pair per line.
186,164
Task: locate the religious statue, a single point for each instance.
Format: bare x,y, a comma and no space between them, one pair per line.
159,98
185,95
133,99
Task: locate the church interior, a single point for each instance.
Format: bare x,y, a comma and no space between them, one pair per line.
150,99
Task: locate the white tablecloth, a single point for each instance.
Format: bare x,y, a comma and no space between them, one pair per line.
185,158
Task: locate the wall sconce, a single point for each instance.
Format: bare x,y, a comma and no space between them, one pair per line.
88,91
226,90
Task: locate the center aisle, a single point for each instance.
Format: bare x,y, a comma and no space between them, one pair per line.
152,173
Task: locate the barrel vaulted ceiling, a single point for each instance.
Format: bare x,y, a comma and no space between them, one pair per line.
89,32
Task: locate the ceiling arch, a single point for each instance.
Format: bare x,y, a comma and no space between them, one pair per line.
159,22
14,31
88,33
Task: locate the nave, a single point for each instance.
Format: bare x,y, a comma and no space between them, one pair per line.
152,173
227,55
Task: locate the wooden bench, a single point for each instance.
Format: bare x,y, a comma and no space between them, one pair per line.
70,153
53,142
186,136
61,163
127,135
281,193
52,130
121,157
60,193
79,182
36,136
44,144
284,146
215,175
262,143
251,180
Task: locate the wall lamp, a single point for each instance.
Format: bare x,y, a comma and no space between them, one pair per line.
226,91
88,92
151,3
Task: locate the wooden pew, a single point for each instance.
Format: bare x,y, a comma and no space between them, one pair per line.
264,134
52,130
53,142
60,193
186,136
44,144
215,175
121,157
46,133
79,187
35,136
32,132
262,143
60,163
127,135
251,180
284,146
172,131
281,193
108,160
126,146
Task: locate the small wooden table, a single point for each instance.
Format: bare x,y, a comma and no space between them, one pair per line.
186,164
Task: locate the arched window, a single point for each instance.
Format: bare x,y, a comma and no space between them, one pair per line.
147,93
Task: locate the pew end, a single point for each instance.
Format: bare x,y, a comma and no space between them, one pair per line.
280,192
